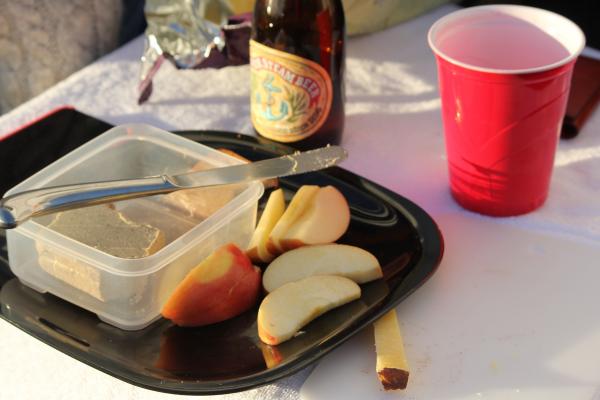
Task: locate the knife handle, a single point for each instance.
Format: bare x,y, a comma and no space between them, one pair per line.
18,208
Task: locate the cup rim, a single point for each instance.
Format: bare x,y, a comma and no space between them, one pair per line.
473,10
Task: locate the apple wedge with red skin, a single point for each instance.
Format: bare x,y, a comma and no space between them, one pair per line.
316,215
299,204
324,220
222,286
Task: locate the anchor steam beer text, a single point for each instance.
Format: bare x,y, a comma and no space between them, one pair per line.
297,71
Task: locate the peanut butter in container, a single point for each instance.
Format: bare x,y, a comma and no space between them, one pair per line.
122,260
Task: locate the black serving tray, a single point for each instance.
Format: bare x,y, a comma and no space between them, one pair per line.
228,356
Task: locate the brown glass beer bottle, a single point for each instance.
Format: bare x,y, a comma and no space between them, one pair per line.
297,71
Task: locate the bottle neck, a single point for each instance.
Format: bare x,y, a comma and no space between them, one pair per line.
313,29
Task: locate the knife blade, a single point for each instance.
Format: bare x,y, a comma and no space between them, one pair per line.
19,207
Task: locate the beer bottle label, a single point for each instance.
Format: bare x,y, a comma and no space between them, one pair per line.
290,95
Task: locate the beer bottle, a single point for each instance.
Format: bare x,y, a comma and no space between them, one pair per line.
297,71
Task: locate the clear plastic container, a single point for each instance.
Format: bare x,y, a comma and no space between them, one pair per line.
129,292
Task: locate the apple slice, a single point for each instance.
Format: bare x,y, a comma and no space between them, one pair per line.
325,220
299,203
257,249
285,310
329,259
222,286
392,367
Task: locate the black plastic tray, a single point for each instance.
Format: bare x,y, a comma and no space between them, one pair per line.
228,356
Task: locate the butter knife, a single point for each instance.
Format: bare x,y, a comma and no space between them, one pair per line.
19,207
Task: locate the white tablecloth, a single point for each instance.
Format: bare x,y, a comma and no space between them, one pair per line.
512,311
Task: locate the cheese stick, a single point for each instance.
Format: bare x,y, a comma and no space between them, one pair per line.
392,366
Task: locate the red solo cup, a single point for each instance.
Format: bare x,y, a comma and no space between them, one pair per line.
504,74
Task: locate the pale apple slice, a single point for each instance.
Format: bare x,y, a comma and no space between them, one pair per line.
286,310
328,259
324,221
392,367
257,249
300,202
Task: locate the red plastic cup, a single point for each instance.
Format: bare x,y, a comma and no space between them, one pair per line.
504,74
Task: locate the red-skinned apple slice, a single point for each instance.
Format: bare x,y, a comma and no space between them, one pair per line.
257,249
300,202
222,286
329,259
290,307
325,220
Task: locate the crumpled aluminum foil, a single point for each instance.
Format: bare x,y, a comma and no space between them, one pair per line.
189,33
